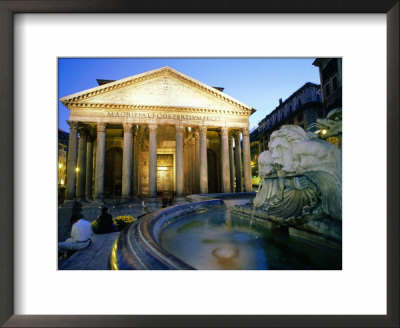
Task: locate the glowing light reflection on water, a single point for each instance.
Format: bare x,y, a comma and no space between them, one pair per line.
220,239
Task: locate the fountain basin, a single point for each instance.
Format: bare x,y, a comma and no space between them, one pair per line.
207,235
138,246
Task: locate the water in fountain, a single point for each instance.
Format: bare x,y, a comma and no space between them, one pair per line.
220,239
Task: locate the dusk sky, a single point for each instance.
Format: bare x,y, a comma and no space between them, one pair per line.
257,82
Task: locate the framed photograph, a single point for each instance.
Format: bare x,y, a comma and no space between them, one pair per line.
35,35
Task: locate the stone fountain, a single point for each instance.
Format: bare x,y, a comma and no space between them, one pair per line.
300,188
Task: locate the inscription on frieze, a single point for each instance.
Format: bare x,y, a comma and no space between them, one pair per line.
179,117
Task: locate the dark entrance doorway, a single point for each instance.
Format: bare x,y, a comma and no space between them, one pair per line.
212,171
113,173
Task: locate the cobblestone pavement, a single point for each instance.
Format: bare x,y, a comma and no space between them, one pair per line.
96,256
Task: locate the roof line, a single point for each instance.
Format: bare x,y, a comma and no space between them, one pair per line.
124,81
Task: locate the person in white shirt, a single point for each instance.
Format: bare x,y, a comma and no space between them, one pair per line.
81,233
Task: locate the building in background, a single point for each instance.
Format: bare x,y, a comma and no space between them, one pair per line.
302,108
330,73
330,126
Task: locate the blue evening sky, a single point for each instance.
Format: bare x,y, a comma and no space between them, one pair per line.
257,82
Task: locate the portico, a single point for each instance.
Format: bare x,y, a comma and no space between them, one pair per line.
160,131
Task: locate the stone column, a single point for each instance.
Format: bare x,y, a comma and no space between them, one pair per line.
152,160
81,172
203,160
135,162
226,180
71,161
89,168
100,159
238,162
179,160
127,162
193,165
185,165
197,161
139,159
231,164
246,161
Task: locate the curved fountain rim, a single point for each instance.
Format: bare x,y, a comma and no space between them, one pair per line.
138,246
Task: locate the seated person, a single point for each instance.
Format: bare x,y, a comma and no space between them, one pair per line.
105,222
81,233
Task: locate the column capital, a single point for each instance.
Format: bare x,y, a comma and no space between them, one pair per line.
83,130
134,131
73,124
101,127
236,134
140,131
245,132
196,134
224,131
203,129
127,127
152,128
179,129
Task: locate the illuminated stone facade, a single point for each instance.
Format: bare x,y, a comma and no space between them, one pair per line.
160,131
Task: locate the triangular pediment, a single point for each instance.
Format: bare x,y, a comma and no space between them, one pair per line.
164,87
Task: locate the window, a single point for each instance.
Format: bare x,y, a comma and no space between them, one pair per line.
299,102
329,69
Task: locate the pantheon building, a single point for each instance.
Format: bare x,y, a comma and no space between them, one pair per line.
159,131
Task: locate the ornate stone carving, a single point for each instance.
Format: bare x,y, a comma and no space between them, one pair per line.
83,129
245,132
73,124
224,131
179,129
127,127
302,172
202,129
152,128
196,134
135,130
237,136
101,127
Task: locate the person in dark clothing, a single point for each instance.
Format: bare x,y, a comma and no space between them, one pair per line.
105,222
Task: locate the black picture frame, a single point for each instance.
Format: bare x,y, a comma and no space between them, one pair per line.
7,10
